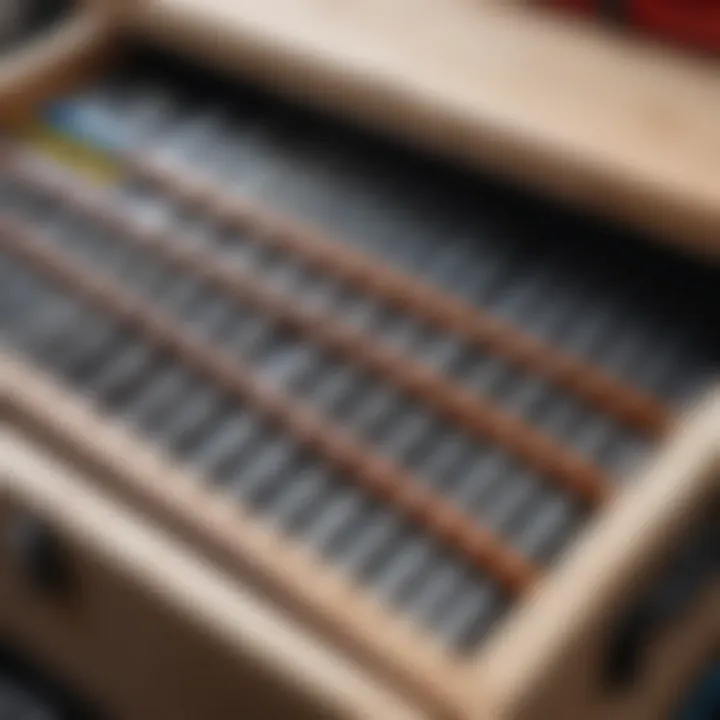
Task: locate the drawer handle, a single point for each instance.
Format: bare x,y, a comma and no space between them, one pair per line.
39,555
660,608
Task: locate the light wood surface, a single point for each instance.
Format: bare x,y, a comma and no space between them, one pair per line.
548,657
548,661
238,542
612,123
151,631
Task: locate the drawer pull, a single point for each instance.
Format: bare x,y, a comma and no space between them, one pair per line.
688,576
39,555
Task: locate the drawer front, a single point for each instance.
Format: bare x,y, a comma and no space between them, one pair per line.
138,626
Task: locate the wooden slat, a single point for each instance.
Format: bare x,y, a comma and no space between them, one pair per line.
378,476
408,294
222,531
480,419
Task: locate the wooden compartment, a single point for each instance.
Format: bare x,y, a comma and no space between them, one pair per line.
163,549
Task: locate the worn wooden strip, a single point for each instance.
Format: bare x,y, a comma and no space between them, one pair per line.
287,574
615,397
480,418
377,475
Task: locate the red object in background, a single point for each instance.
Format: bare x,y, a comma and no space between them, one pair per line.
692,22
695,22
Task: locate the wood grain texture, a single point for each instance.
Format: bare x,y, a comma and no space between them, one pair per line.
615,125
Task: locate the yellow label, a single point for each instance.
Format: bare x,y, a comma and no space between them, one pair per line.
90,162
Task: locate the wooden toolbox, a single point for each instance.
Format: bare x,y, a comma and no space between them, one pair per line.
299,420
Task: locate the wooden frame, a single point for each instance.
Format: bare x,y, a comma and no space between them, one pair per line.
151,631
525,671
230,537
619,126
614,124
548,658
544,662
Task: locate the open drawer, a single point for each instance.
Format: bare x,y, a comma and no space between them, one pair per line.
461,442
599,637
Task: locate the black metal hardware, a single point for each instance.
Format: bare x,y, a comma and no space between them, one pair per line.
39,555
688,575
